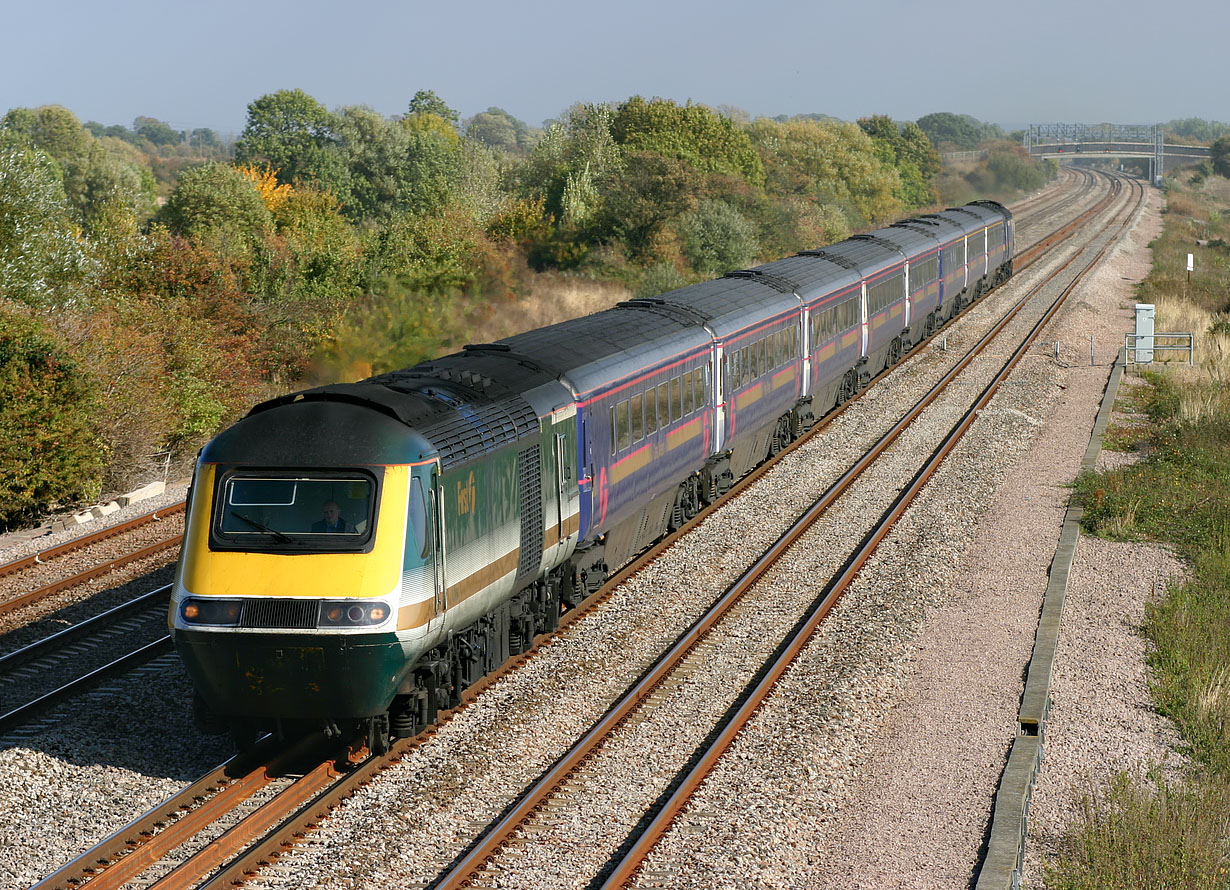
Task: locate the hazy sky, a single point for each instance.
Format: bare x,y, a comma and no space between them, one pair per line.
200,64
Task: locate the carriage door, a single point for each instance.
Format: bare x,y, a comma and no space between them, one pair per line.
562,474
436,517
567,495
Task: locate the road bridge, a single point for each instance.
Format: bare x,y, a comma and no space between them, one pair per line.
1117,140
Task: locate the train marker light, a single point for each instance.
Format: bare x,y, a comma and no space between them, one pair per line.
352,614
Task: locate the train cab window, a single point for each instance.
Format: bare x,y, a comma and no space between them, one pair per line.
637,417
651,411
623,437
664,404
676,398
294,512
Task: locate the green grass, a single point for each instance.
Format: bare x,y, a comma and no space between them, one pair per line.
1147,836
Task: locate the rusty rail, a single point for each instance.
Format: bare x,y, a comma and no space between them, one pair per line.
51,553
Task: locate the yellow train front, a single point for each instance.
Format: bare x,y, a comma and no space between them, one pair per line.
313,589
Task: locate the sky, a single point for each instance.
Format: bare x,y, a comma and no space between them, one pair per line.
201,64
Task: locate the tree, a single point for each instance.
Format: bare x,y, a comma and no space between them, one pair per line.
49,450
95,174
42,261
51,129
958,131
204,137
291,133
497,128
427,102
573,155
908,150
1219,154
694,134
642,196
717,238
156,131
1195,129
828,163
217,199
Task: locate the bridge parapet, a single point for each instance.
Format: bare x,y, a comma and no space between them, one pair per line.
1145,140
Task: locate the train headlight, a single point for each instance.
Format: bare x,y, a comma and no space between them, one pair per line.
353,614
219,613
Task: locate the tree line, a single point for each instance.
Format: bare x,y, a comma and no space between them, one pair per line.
155,283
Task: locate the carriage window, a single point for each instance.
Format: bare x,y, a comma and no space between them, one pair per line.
622,435
688,402
698,387
638,422
676,398
664,403
651,411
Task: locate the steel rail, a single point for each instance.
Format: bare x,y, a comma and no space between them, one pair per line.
33,596
754,695
140,830
44,556
90,625
21,714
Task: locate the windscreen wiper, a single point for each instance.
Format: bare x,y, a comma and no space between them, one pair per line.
262,527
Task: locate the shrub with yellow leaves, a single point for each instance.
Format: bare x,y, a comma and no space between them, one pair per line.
266,182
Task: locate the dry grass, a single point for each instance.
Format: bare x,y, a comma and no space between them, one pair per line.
553,298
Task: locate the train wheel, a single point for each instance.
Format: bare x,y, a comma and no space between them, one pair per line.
849,386
894,353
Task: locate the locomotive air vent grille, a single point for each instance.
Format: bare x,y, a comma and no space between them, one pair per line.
477,429
529,481
279,612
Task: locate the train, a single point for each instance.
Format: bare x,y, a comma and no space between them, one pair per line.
356,555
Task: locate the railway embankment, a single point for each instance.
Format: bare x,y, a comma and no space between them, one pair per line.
1154,815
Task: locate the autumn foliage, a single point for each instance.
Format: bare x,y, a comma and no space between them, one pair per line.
332,244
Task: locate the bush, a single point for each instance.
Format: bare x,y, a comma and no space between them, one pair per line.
658,279
717,238
49,453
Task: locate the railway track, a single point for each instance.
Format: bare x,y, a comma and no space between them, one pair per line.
34,578
78,658
584,769
271,844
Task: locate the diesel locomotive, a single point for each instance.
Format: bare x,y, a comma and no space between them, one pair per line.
361,553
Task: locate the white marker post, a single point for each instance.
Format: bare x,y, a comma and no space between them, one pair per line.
1191,264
